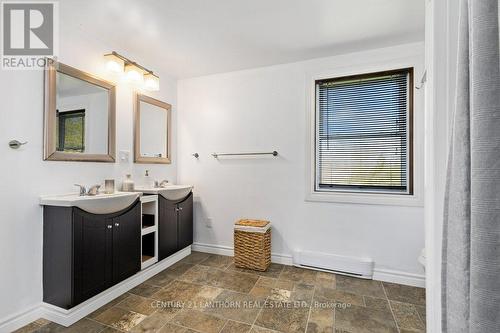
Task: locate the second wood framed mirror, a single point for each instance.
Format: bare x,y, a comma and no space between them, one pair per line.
152,130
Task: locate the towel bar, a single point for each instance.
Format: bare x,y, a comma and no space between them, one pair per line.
216,155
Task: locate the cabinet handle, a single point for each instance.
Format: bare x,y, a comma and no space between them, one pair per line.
110,226
117,224
180,208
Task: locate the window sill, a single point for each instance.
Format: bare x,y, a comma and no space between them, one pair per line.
366,198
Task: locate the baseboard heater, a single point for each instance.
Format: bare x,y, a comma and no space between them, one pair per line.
352,266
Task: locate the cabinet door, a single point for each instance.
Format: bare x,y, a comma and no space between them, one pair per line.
127,243
92,254
167,228
185,222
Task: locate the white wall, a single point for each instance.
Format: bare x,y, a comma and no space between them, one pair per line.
264,109
25,176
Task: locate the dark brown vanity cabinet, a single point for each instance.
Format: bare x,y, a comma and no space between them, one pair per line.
175,228
185,222
84,253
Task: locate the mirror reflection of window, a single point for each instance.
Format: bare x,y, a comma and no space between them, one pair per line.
153,130
82,116
70,131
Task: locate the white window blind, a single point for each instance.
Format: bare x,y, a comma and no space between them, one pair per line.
364,133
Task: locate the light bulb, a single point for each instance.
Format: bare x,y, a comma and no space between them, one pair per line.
134,74
114,63
151,82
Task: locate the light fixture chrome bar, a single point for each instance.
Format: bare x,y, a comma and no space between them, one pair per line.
216,155
127,61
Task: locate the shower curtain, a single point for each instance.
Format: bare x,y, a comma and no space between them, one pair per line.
471,238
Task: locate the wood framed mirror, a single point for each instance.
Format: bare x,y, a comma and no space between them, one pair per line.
152,130
79,117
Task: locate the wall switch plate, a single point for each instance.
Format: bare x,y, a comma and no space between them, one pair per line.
124,155
208,222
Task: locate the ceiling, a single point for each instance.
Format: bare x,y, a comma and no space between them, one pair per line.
189,38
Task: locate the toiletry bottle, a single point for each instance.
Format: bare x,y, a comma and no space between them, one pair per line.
148,180
128,184
109,186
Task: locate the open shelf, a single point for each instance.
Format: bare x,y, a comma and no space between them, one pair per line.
148,245
148,220
149,249
149,232
149,211
146,258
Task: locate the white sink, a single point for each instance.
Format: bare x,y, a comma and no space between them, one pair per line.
170,192
98,204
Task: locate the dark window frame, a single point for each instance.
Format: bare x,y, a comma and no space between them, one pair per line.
410,134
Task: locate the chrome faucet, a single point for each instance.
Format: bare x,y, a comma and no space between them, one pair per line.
161,184
93,190
83,191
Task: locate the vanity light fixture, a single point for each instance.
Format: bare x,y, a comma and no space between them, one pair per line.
134,72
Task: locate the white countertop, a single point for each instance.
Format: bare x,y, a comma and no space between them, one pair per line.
98,204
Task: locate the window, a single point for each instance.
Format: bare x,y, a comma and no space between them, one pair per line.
70,131
364,133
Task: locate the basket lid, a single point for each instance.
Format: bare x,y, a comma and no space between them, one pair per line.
252,223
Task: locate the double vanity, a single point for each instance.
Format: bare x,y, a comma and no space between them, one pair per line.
91,243
94,241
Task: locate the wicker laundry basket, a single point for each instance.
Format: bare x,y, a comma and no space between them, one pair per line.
252,244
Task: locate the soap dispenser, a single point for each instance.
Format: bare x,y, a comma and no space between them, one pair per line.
128,184
148,180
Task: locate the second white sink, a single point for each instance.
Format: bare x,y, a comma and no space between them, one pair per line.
170,192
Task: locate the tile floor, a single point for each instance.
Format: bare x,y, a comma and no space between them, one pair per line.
208,294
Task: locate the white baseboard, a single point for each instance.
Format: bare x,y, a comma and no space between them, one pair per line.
385,275
409,279
278,258
68,317
20,319
213,249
